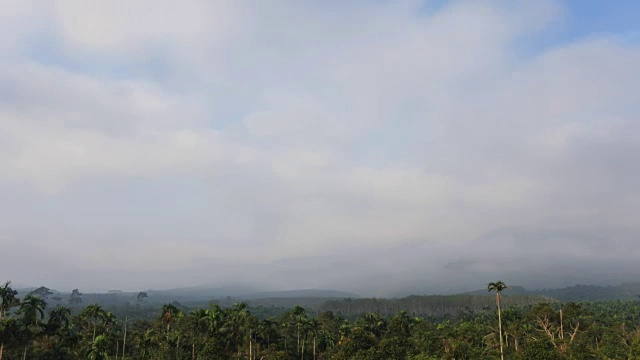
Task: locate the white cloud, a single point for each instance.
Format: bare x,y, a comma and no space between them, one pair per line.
132,27
295,128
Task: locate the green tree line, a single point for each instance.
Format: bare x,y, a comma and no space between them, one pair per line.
544,330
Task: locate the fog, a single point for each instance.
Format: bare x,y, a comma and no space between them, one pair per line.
376,147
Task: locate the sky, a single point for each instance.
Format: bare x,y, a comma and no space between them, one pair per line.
380,147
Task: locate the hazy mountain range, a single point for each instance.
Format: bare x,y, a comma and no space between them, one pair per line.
238,292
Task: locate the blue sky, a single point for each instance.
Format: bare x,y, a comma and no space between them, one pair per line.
219,139
594,17
582,18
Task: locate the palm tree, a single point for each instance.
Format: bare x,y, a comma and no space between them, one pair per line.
60,335
93,314
215,319
328,330
498,287
303,327
9,328
110,321
400,324
32,311
168,314
298,315
374,324
239,323
144,342
344,330
8,298
98,350
313,328
327,334
58,318
268,330
198,324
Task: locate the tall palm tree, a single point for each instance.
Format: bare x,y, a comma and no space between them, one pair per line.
313,328
144,342
198,325
238,325
168,315
498,287
298,316
326,337
215,319
93,314
60,335
8,298
58,318
269,330
32,311
110,321
9,329
303,326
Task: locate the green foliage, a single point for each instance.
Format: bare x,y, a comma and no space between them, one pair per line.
542,330
438,306
541,350
8,298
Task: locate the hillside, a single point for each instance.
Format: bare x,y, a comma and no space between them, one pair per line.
624,291
303,293
346,303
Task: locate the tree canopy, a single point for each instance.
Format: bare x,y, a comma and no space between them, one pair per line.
540,330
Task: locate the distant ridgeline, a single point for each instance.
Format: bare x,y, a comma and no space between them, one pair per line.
624,291
346,304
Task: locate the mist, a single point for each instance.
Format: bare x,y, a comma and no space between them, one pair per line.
382,148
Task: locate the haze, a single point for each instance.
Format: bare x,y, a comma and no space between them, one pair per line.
379,147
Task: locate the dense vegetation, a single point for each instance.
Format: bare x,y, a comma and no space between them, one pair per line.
624,291
544,330
425,306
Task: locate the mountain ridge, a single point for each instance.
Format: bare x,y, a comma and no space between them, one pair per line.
578,292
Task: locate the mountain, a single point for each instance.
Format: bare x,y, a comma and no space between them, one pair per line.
204,292
624,291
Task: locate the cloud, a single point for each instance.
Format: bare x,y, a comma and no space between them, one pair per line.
297,129
196,33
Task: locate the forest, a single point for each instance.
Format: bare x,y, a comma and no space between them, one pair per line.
500,326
